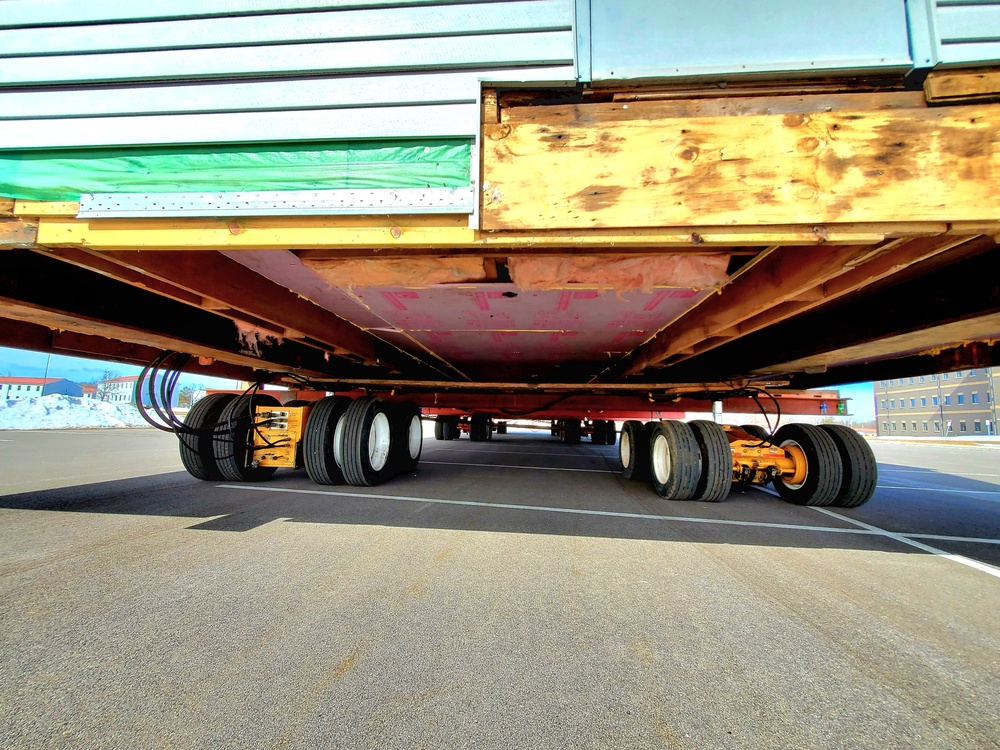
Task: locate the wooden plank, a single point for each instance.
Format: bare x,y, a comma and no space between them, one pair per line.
94,262
271,233
69,321
776,279
212,275
6,206
718,106
840,167
17,233
950,86
46,208
868,271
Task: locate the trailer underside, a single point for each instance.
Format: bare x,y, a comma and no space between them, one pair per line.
633,251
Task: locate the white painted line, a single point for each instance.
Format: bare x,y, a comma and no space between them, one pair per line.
932,471
544,509
943,538
529,468
982,567
488,452
937,489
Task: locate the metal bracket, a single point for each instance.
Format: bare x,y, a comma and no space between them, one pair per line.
279,203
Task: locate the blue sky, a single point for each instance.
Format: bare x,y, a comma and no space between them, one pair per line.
80,370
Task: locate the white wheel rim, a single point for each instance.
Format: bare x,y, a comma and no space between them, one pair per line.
338,443
414,437
661,459
788,484
625,448
378,442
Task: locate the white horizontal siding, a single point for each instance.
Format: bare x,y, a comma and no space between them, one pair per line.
233,71
27,13
296,28
968,32
260,95
430,121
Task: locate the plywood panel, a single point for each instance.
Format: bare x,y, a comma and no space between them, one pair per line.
860,166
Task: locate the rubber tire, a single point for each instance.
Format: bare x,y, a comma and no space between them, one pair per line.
597,432
572,431
480,428
355,449
300,402
633,450
716,477
407,427
233,437
197,453
450,430
674,444
824,470
501,428
756,430
438,429
610,433
860,467
317,445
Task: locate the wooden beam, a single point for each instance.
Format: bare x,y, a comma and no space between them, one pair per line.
636,106
956,289
219,278
908,165
778,278
972,85
50,292
106,267
17,233
33,337
6,206
281,233
888,263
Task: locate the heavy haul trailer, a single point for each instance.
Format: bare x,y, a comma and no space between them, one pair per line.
550,209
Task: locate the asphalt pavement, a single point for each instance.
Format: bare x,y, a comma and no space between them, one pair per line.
511,594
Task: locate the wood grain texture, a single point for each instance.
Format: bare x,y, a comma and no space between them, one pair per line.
944,86
908,165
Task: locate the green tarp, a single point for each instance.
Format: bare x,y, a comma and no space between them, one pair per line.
65,175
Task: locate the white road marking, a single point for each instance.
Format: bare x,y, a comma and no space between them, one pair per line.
546,509
932,471
943,538
529,468
937,489
982,567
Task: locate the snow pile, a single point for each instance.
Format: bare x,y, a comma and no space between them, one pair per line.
58,412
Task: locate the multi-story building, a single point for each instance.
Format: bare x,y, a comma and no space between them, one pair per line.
117,390
950,404
16,388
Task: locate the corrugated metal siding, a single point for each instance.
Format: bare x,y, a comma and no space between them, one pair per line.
227,71
968,32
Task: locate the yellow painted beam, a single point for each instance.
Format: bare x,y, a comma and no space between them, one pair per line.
843,167
262,233
46,208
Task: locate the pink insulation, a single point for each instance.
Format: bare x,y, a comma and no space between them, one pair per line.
620,273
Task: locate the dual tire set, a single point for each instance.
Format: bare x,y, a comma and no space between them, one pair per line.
693,461
361,442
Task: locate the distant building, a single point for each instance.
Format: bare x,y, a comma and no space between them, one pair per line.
14,388
951,404
117,390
